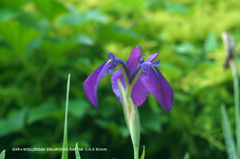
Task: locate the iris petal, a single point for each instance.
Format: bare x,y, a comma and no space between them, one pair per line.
158,86
114,80
134,59
139,93
152,57
91,83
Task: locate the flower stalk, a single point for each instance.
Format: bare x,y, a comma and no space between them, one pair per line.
234,66
232,61
132,119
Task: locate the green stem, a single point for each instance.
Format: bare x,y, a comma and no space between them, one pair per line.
136,149
234,66
134,130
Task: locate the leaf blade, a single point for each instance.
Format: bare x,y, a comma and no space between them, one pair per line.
65,140
230,145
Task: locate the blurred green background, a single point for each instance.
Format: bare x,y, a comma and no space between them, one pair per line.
42,41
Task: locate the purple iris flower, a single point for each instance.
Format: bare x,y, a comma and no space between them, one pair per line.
138,77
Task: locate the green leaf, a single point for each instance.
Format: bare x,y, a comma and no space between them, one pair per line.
65,139
143,153
77,18
56,49
16,4
84,39
7,14
210,43
185,48
152,121
78,108
50,8
186,156
133,5
13,123
2,155
119,33
34,44
176,7
41,112
77,154
17,35
230,145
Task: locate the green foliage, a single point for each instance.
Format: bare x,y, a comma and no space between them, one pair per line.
2,155
186,156
143,153
65,136
42,41
132,118
230,144
77,154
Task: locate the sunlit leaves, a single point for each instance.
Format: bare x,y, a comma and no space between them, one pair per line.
50,8
17,35
13,123
211,43
75,18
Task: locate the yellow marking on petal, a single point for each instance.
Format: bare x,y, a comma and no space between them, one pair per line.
155,70
119,80
108,61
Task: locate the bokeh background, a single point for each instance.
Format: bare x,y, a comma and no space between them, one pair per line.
42,41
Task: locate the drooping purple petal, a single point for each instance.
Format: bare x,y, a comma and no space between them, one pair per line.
134,59
152,57
91,83
158,86
114,80
139,93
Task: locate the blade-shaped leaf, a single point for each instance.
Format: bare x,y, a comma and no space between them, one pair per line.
2,155
186,156
65,141
230,145
143,153
77,154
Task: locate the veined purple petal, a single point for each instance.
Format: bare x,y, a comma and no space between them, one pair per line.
124,66
155,63
152,57
114,80
139,93
111,56
158,86
91,83
134,59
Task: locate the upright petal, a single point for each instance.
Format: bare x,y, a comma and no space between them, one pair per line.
114,80
158,86
134,59
91,83
152,57
139,93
